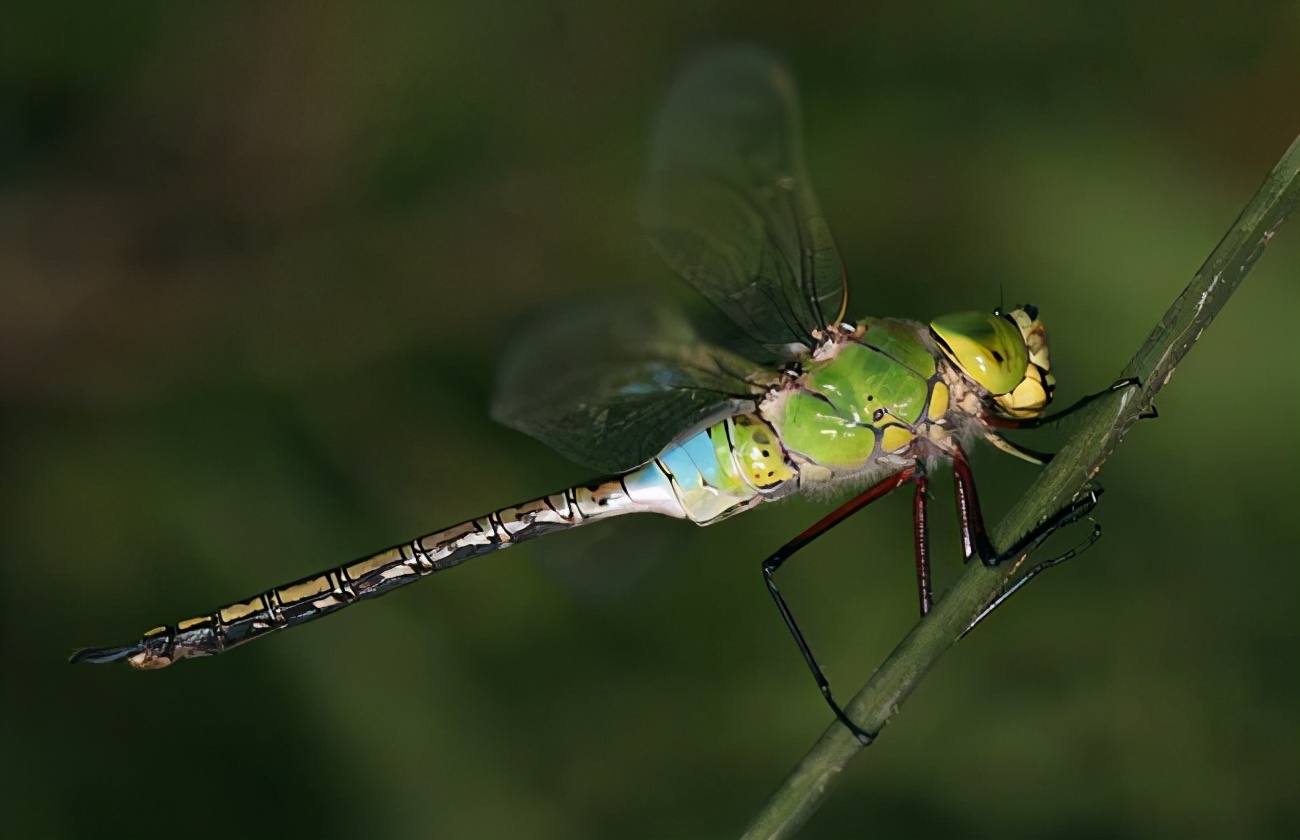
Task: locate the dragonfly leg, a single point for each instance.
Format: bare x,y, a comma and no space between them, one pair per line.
1024,453
1036,422
975,539
785,552
921,538
1029,575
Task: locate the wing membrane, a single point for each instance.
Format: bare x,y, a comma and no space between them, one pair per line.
727,201
610,383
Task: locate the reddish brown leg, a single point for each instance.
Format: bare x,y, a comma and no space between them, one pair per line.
921,538
974,538
785,552
974,541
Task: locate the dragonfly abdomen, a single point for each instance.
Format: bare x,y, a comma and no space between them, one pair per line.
721,470
321,594
701,479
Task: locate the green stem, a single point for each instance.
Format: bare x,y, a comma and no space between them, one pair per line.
1099,431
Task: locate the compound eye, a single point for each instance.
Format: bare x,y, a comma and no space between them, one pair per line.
988,348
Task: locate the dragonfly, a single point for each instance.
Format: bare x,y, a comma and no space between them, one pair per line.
792,399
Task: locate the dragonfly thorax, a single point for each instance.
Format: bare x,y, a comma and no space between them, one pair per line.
874,396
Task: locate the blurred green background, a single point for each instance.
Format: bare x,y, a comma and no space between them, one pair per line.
257,262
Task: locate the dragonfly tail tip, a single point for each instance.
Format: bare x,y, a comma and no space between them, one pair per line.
102,655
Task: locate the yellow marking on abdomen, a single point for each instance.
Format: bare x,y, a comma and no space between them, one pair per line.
299,592
362,569
235,612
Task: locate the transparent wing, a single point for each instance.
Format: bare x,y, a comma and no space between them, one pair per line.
610,383
727,202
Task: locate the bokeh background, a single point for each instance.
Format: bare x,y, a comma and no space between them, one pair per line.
257,262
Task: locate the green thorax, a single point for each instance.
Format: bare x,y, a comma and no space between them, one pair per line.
859,396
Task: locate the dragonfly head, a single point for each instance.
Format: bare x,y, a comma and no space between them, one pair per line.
1005,353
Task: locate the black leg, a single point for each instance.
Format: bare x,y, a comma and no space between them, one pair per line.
975,542
975,539
785,552
1029,575
1035,422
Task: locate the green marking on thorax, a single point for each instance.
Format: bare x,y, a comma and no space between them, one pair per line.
832,418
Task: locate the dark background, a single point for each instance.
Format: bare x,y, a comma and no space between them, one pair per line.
257,262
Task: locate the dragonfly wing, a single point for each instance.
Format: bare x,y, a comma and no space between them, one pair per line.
609,384
728,204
